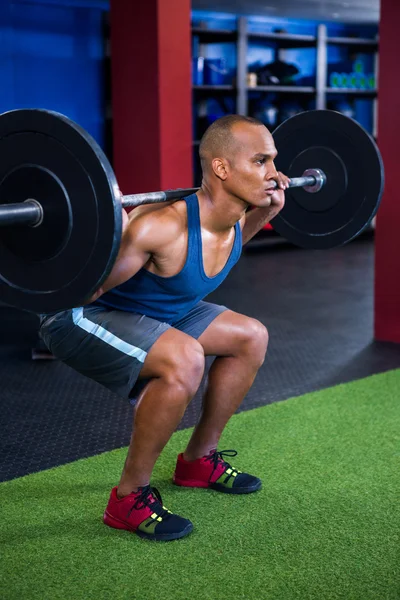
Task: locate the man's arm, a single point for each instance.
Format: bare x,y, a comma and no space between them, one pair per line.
143,233
256,218
131,258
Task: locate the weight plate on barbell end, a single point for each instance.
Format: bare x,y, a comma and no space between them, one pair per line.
353,166
60,263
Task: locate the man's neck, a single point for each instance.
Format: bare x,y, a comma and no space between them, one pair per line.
219,211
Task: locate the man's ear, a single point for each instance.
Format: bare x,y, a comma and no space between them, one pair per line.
220,168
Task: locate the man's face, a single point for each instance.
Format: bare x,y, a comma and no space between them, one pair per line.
251,170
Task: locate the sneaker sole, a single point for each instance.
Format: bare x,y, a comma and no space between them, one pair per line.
161,537
239,490
217,486
166,537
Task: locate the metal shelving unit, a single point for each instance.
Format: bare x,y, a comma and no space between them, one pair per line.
320,42
352,41
323,90
207,88
285,40
283,89
352,92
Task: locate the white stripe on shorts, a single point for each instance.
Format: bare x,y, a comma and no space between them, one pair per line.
106,336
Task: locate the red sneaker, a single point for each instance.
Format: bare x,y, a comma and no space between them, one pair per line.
212,471
144,513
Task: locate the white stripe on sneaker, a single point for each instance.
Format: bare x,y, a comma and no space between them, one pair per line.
106,336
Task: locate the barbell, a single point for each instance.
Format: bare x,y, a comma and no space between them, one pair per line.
30,212
60,205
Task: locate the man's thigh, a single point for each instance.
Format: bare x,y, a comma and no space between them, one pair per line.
105,345
229,332
199,318
220,331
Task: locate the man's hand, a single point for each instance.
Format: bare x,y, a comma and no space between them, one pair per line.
278,197
257,218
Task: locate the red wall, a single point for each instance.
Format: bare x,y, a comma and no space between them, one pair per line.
151,94
387,239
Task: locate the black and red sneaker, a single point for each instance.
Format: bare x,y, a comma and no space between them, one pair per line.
212,471
143,512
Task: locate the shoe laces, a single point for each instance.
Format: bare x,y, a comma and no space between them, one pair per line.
217,458
151,497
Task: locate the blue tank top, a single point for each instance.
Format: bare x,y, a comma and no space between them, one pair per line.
168,299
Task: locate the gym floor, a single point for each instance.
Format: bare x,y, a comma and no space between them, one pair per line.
317,305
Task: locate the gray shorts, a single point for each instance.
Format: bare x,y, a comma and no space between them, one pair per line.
110,346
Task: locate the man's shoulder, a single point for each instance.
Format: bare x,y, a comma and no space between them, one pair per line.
158,224
171,213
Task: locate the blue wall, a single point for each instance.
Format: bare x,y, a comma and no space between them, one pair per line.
52,56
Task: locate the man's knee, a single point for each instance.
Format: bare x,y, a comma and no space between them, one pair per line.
184,366
255,340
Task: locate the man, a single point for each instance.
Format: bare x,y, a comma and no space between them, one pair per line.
148,324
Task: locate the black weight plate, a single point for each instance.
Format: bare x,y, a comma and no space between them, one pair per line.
353,166
60,263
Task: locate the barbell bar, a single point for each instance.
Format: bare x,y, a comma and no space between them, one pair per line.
312,180
30,212
55,178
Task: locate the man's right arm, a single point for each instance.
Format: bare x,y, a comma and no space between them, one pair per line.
144,233
132,256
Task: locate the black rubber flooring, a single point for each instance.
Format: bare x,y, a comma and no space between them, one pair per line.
317,306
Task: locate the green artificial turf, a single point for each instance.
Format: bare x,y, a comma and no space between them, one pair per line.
326,524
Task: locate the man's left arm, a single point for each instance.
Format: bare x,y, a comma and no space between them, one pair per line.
257,218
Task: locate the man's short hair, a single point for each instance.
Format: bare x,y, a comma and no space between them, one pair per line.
218,138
